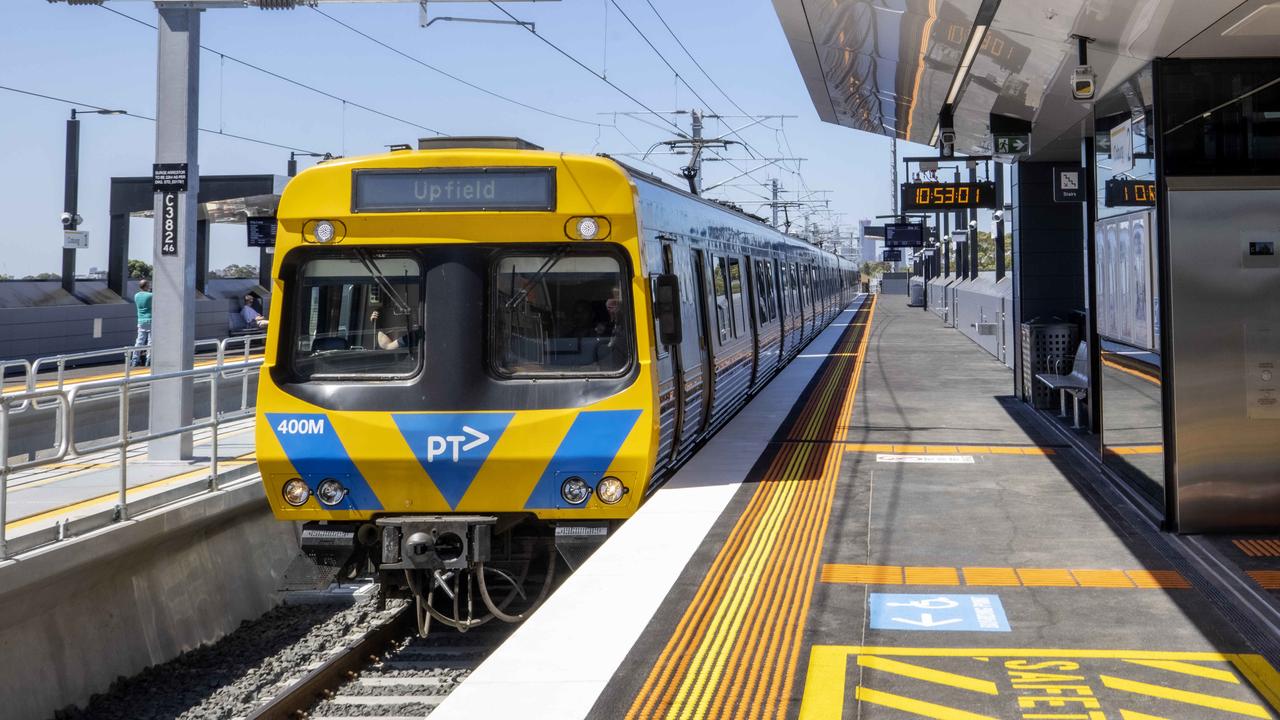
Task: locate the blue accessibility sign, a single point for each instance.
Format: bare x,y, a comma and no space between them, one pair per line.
947,613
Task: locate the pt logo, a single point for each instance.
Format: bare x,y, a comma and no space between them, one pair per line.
438,445
452,447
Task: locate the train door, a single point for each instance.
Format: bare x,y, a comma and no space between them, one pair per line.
666,364
690,356
784,311
751,286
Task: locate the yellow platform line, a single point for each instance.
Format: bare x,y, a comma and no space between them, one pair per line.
1187,668
140,372
1130,371
239,461
948,449
1186,696
915,707
1133,449
938,677
1017,577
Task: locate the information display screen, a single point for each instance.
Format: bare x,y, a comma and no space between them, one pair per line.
444,189
903,235
893,256
1130,193
261,231
939,196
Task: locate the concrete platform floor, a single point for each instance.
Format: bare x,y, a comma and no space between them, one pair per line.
915,543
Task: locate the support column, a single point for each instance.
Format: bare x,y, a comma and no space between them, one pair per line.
70,200
973,232
1088,162
118,255
264,268
174,319
202,254
999,229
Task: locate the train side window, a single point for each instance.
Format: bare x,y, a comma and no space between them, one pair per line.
783,300
762,293
720,286
560,314
736,300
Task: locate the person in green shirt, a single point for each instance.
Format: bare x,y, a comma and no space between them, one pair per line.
142,301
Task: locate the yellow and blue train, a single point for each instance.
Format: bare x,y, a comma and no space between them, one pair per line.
480,351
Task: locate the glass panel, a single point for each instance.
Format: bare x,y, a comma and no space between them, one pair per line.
360,315
735,293
1220,117
720,285
559,314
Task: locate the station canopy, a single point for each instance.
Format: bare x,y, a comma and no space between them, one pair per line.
889,66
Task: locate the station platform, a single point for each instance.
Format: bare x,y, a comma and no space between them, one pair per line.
886,532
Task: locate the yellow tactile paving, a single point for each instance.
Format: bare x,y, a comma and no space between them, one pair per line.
1266,579
1157,579
1017,577
994,577
862,574
1046,577
1258,548
931,576
1102,578
1133,449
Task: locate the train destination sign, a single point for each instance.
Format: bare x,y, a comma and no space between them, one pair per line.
903,235
940,196
460,189
1130,193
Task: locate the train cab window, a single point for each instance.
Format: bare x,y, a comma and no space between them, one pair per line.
559,314
359,315
719,273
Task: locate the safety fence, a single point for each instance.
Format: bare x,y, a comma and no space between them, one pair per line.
57,399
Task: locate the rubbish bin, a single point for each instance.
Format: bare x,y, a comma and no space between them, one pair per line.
1046,347
916,293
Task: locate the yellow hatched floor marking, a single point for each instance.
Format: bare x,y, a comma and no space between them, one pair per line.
931,576
963,682
916,707
948,449
1017,577
1187,668
1046,577
1186,696
1102,578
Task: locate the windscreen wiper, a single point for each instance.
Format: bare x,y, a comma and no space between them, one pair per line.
401,307
550,262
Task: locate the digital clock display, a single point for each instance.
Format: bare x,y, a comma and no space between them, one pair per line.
936,196
1130,193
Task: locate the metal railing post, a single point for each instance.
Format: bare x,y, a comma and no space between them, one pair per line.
4,476
124,445
213,418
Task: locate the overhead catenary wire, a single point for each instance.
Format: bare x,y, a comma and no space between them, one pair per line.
451,76
224,56
76,103
586,67
693,59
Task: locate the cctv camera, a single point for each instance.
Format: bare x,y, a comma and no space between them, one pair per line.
947,143
997,215
67,219
1082,83
973,224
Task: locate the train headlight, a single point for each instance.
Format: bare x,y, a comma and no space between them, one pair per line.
575,490
330,492
324,231
610,490
587,228
296,492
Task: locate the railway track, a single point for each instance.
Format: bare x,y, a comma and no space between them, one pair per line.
386,672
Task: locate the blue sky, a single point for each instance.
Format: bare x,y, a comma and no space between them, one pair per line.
90,55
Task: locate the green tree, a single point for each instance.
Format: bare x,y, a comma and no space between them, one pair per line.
44,276
874,269
139,269
236,271
987,251
5,276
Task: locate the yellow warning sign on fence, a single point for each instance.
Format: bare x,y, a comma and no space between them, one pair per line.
1036,684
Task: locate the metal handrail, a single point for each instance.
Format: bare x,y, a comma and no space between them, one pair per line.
63,400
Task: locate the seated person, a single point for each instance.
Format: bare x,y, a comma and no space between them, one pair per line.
252,318
396,339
